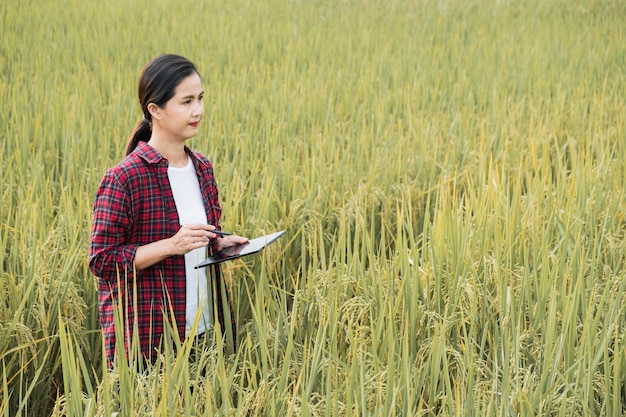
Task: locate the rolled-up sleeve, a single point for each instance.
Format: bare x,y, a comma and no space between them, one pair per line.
109,252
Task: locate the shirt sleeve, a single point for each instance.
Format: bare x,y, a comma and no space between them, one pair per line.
109,253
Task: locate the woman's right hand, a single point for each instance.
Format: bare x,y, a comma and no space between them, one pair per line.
190,237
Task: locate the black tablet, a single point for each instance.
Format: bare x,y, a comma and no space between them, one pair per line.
237,251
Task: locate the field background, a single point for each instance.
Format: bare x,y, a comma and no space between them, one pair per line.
450,175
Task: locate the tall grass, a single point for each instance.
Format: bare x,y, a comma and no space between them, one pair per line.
450,175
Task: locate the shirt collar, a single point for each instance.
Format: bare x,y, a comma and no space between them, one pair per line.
148,153
151,156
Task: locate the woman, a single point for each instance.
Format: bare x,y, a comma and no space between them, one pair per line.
154,217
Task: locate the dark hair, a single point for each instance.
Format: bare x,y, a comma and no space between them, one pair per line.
157,85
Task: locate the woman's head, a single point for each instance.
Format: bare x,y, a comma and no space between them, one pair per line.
157,85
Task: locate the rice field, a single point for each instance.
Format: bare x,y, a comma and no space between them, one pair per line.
451,176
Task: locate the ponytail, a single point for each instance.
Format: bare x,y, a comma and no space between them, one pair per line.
141,133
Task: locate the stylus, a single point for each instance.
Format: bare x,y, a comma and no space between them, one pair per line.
221,233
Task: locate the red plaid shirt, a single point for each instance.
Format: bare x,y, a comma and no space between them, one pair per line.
135,206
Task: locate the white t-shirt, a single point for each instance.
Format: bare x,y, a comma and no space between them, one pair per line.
186,189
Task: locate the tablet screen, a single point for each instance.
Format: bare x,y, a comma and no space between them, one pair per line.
237,251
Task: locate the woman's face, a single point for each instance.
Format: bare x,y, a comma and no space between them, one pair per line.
181,115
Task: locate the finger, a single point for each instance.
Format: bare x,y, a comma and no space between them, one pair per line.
192,227
201,226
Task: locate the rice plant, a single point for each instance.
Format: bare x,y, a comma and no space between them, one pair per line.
450,175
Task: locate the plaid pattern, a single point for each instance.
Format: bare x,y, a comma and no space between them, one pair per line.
135,206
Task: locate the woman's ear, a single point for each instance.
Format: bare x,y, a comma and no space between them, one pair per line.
155,111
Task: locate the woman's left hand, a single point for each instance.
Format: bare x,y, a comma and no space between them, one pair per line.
228,241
